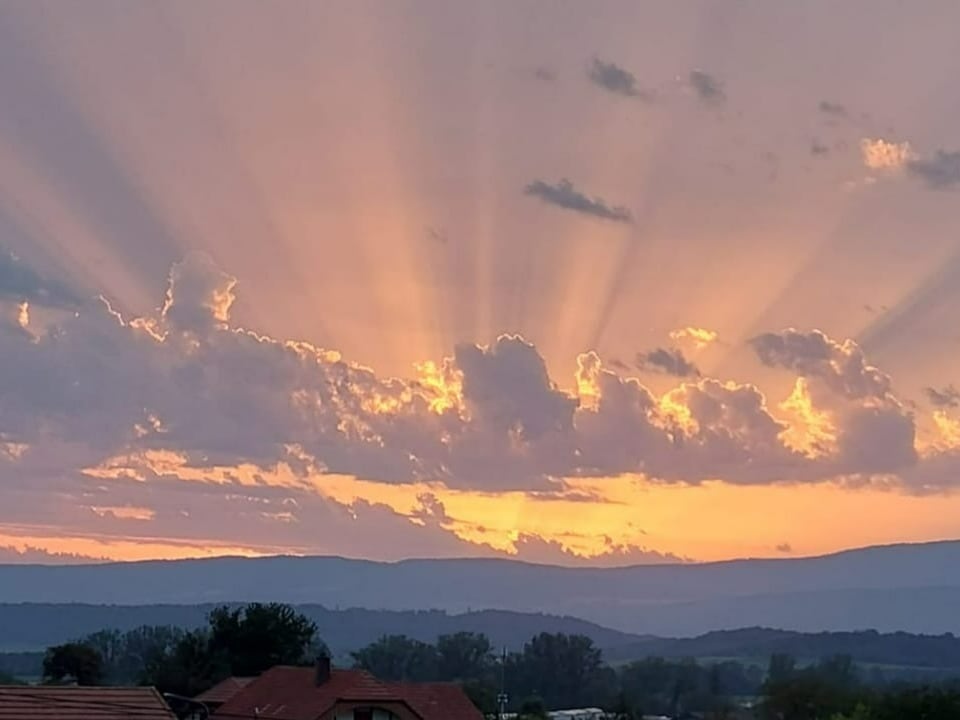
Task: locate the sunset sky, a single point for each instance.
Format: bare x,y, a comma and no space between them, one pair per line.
571,282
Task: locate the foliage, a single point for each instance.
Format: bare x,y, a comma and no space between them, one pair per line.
238,641
564,670
828,688
399,658
464,655
130,658
532,708
7,679
78,661
257,637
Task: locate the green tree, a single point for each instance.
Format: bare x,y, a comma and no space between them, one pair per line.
7,679
258,637
532,708
133,657
191,667
73,660
238,641
829,688
398,657
464,656
565,670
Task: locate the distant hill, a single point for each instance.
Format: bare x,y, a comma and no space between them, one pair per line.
31,627
914,588
866,647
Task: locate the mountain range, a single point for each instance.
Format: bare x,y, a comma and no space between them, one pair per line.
910,587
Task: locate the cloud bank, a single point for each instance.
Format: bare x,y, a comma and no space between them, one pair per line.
181,423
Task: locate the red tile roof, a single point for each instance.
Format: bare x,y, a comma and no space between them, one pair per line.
289,693
223,691
438,701
26,702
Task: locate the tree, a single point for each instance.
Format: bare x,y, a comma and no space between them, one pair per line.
238,641
7,679
532,708
258,637
464,656
133,657
191,667
829,688
565,670
73,660
399,658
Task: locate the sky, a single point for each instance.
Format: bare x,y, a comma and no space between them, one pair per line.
577,283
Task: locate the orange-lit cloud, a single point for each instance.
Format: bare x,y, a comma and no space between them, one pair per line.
190,404
885,155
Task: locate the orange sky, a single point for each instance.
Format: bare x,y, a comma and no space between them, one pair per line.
393,279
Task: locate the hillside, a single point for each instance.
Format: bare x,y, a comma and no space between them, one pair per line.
913,588
866,647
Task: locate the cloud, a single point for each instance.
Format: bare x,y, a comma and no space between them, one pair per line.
833,109
545,74
138,427
564,195
613,78
948,396
880,154
21,283
707,87
534,549
670,361
199,296
841,366
30,555
698,337
818,148
940,172
785,548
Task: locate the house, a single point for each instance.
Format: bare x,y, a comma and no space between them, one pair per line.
60,702
222,691
325,693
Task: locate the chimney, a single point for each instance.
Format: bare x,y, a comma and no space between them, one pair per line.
322,669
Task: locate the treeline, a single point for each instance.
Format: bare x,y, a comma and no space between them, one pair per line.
559,671
236,642
833,689
550,671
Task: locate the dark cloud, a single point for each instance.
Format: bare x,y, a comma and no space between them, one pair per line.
667,360
948,396
564,195
818,148
187,414
613,78
30,555
534,549
832,108
940,172
841,366
437,235
545,74
785,548
199,296
877,440
21,283
708,88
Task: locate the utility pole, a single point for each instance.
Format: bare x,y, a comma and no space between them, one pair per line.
502,698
